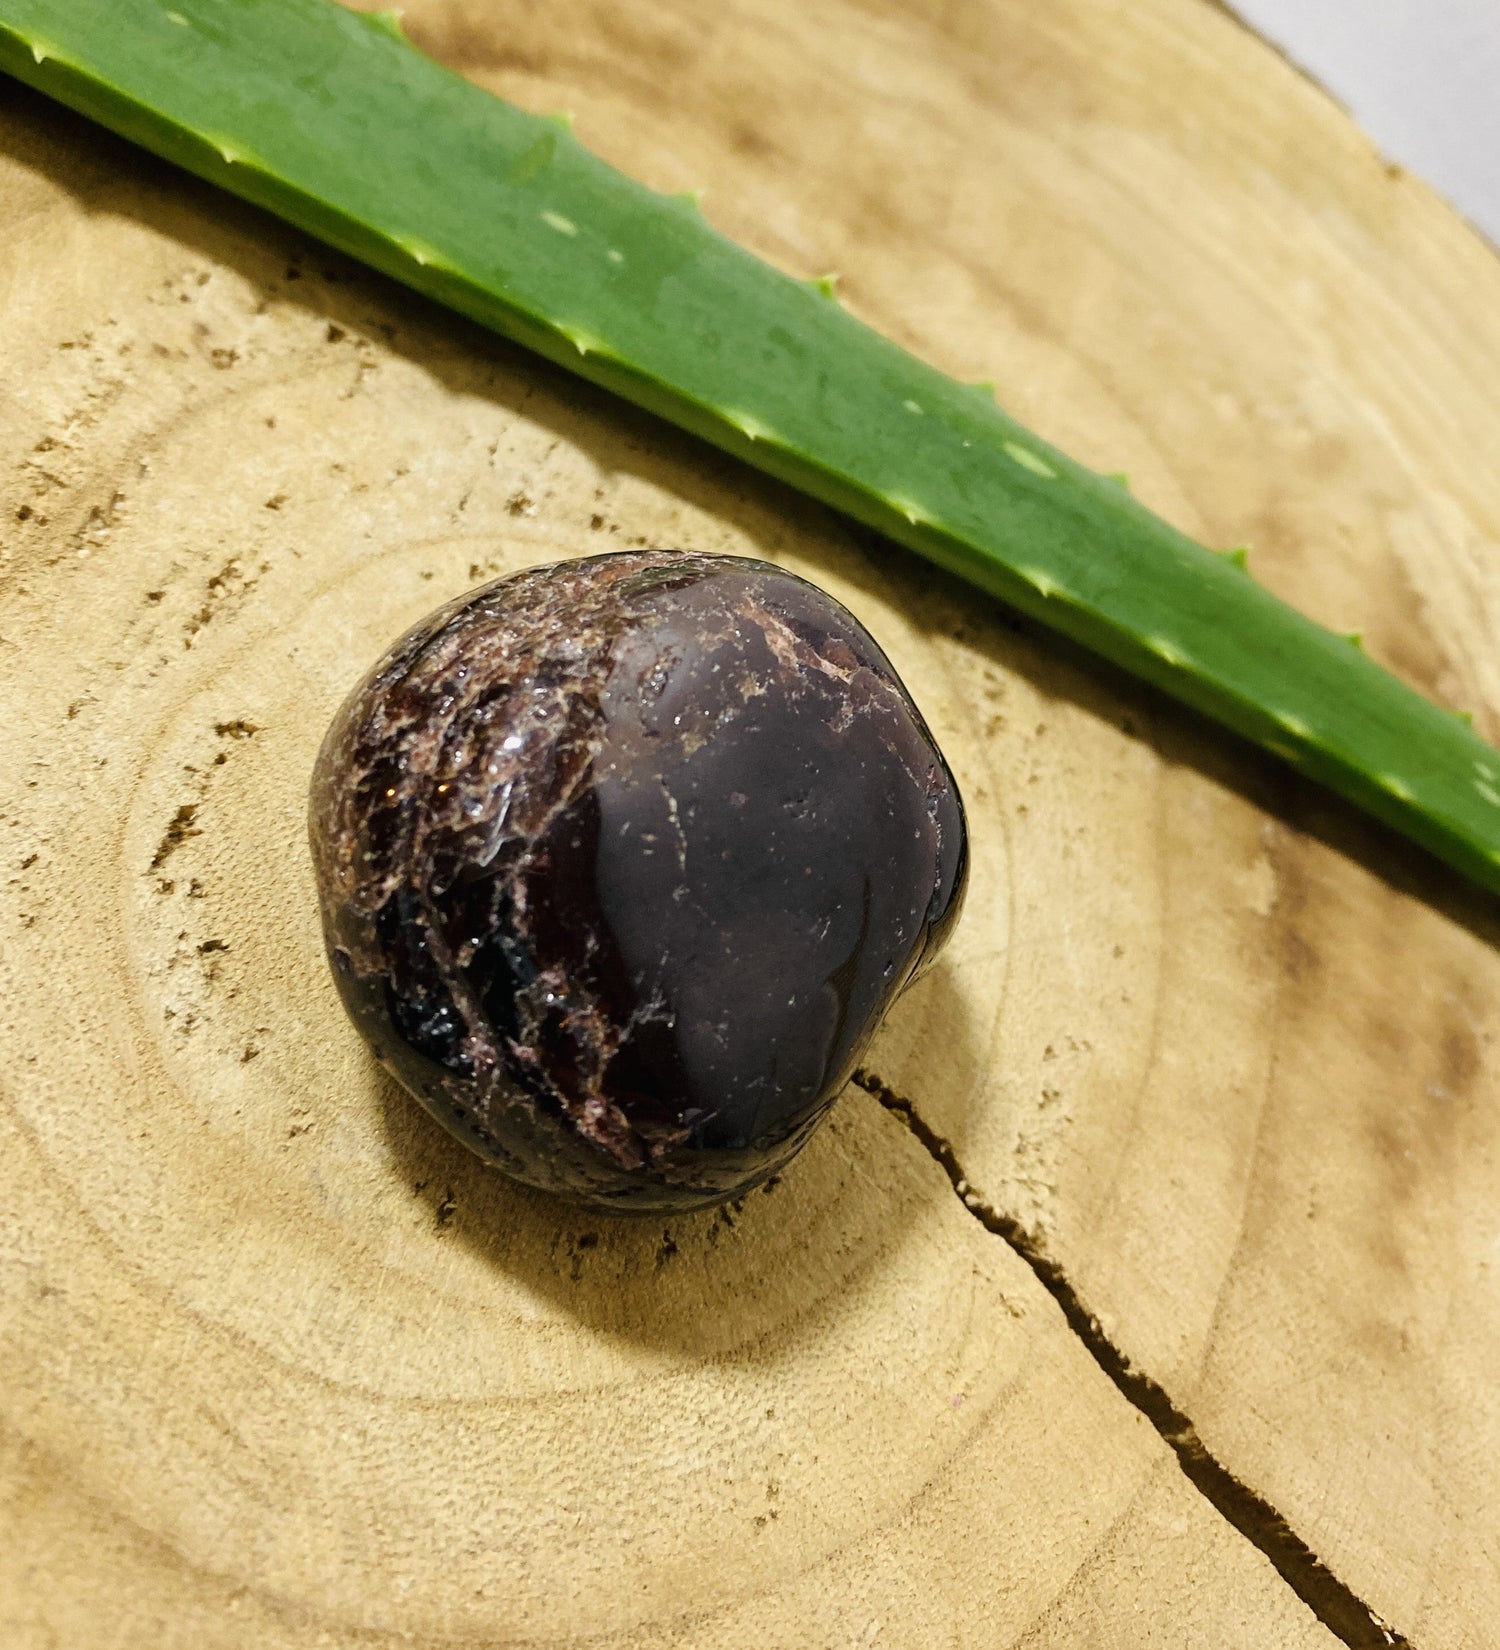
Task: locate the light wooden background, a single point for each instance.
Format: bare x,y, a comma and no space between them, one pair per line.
282,1367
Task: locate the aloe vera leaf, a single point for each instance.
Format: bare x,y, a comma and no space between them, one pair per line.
331,119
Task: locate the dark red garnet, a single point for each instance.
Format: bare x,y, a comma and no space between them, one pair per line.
621,862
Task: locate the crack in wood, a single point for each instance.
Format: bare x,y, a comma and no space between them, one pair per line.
1336,1605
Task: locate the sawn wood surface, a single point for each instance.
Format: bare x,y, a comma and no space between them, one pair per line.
1208,1356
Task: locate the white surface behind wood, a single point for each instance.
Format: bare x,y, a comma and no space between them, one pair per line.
1421,76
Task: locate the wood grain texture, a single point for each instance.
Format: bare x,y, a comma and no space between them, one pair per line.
281,1366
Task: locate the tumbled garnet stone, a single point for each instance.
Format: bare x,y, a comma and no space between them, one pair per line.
622,860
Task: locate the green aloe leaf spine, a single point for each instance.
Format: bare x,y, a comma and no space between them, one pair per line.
334,121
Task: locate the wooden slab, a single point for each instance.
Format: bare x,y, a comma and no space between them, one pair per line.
280,1365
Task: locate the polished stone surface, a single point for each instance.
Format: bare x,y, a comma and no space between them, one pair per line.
622,860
